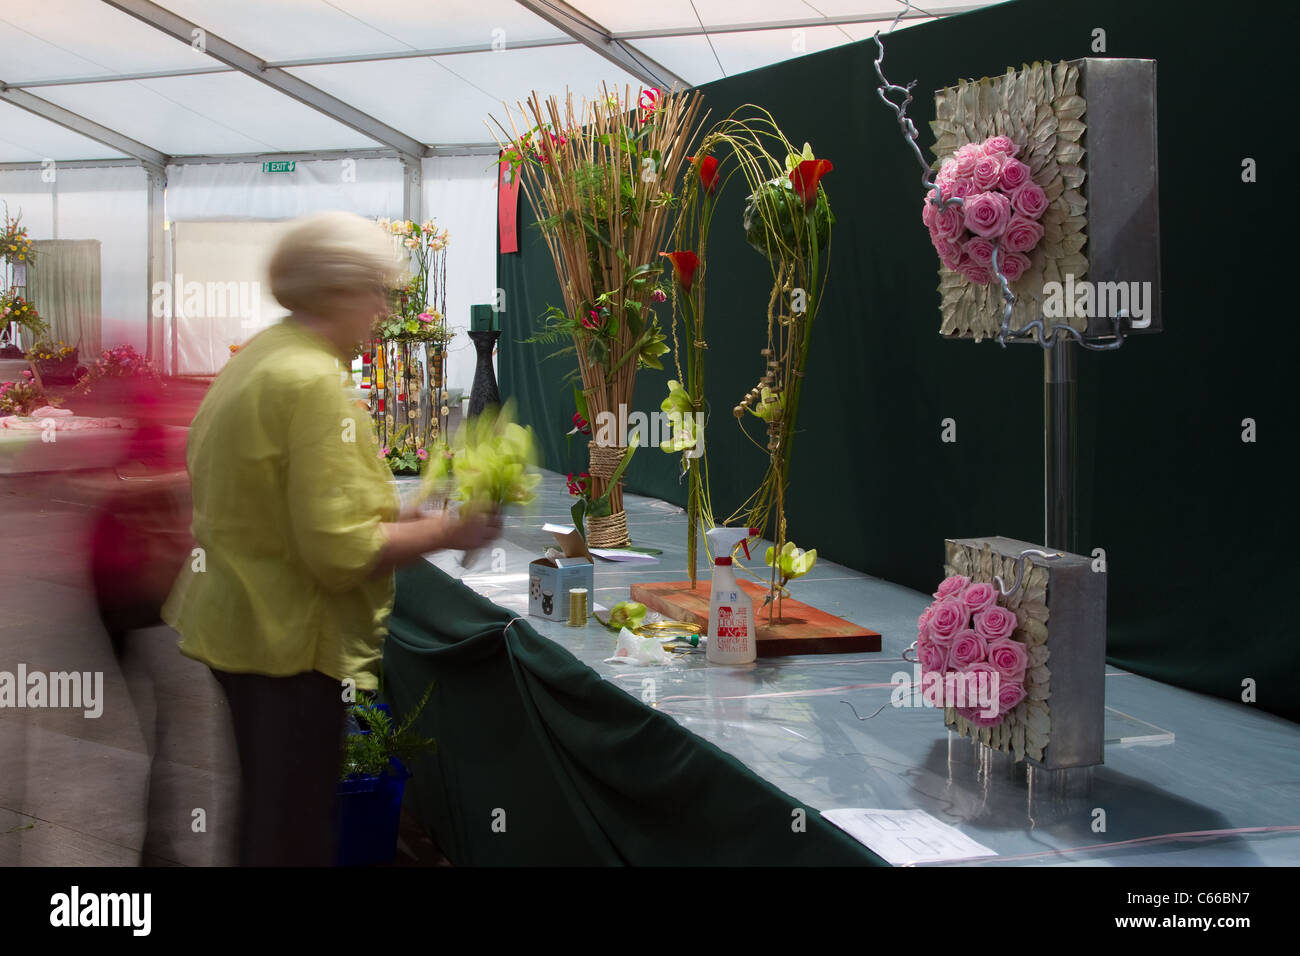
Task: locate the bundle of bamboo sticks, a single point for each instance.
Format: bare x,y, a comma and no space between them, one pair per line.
600,176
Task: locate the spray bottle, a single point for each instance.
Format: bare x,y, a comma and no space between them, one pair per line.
731,612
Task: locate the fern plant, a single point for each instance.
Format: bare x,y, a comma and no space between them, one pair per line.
368,754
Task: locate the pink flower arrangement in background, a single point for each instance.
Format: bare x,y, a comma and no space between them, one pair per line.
967,635
1001,204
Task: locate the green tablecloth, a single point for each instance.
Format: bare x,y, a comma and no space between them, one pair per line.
540,761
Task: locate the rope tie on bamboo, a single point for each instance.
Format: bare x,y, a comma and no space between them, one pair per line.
608,532
604,460
701,344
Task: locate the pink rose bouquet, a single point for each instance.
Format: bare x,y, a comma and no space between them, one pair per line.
967,638
1000,204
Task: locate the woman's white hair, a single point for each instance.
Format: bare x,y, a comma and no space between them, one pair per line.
332,252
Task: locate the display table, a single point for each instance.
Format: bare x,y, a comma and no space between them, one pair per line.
536,724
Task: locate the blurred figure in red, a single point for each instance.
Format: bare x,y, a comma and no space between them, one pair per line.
139,540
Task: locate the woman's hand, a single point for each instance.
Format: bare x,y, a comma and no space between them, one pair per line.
408,540
469,532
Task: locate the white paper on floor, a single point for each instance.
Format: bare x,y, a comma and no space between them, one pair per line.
906,837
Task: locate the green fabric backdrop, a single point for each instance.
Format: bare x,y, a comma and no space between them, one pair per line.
584,773
1196,524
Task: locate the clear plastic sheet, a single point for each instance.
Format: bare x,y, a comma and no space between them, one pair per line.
1187,780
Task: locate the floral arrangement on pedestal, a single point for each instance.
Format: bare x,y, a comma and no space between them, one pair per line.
14,308
24,396
404,456
972,632
117,363
409,350
17,252
600,177
418,309
787,219
1010,148
53,361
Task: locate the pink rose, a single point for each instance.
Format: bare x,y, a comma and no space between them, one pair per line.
1000,144
988,214
1014,265
1010,693
933,657
1030,201
988,172
973,272
979,250
995,623
947,171
956,188
979,596
952,586
967,648
982,687
1014,175
948,222
1009,657
965,160
1022,234
949,252
924,619
949,618
928,211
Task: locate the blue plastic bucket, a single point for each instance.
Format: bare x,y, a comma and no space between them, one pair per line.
369,815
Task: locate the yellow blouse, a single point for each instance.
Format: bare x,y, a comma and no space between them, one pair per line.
289,495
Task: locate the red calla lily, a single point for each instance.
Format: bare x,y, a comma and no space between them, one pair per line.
806,177
684,264
708,173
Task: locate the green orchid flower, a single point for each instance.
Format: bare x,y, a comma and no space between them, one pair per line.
794,562
629,614
492,459
683,435
770,405
794,159
678,400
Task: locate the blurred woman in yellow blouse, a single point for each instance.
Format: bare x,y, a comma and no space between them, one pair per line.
298,526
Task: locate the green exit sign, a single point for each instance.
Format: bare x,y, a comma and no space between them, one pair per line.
279,166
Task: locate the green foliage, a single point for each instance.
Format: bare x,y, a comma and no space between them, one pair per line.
368,754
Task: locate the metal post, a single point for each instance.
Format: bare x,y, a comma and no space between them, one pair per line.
156,266
1059,445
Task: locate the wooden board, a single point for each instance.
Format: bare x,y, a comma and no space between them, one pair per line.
801,629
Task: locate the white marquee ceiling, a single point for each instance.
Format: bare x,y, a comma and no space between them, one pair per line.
109,79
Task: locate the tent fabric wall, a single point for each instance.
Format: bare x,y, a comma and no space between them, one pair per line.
225,264
459,193
108,203
205,191
1192,519
64,286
